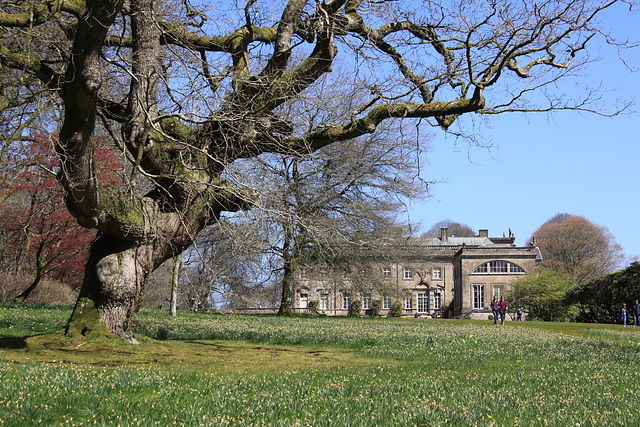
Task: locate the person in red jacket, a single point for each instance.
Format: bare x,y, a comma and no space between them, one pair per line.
502,308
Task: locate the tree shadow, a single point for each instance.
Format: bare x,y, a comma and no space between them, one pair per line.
14,343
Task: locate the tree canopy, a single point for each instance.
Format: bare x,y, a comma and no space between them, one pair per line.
577,248
543,294
186,89
600,300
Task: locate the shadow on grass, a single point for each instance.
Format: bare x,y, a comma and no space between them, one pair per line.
13,343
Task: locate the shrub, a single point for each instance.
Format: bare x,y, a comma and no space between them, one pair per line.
376,307
356,308
314,304
396,309
491,317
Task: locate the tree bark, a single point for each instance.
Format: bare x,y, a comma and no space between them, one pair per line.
177,264
111,294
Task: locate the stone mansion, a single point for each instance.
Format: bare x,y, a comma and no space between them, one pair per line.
427,276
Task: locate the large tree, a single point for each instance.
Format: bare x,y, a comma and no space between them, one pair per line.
454,228
193,88
574,246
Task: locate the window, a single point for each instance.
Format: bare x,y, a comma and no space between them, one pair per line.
515,269
437,301
346,302
423,302
408,303
498,291
478,296
303,274
386,302
437,274
498,267
408,274
366,302
386,272
481,268
324,301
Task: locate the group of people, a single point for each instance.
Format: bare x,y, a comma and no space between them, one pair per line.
499,309
635,312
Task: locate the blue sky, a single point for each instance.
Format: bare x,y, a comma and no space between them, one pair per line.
581,164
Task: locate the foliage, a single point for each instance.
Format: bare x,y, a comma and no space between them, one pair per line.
396,309
454,228
40,237
577,248
391,372
600,300
47,292
356,308
314,304
187,90
376,307
543,294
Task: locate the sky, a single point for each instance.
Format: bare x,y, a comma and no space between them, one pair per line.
580,164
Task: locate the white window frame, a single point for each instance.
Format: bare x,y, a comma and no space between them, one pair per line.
408,274
478,296
408,302
437,301
498,290
346,302
423,302
437,273
386,272
324,302
366,302
386,302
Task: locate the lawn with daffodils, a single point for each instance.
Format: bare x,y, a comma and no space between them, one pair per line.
200,369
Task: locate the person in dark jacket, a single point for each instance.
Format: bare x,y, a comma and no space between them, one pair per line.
495,306
502,307
624,314
636,314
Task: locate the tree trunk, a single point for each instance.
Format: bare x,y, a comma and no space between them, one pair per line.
25,294
111,294
177,263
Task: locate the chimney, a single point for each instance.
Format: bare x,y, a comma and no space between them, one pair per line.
484,232
444,234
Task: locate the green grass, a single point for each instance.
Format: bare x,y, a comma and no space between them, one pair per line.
252,370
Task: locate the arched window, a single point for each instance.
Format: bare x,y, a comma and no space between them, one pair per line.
498,267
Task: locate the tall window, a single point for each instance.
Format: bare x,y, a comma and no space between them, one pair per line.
386,302
478,296
498,290
346,302
408,303
408,273
437,301
386,272
423,302
437,274
366,302
324,301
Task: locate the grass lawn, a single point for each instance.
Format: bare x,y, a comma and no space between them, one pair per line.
202,369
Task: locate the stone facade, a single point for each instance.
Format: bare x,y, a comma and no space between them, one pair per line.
426,276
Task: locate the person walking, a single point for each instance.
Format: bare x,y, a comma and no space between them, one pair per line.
495,306
624,314
502,307
636,314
